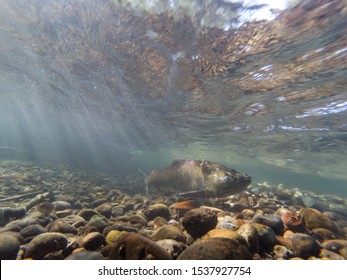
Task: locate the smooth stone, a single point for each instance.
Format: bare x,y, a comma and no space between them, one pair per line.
159,222
61,205
293,221
99,202
173,247
250,234
282,253
9,247
113,235
225,233
119,226
93,241
272,221
338,208
133,246
267,237
138,219
99,222
343,252
334,216
156,210
63,213
45,243
334,245
32,231
168,232
118,211
322,234
304,246
314,219
61,226
199,221
216,249
246,214
330,255
85,255
73,219
87,214
104,209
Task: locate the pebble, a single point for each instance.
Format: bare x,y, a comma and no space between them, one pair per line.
60,225
93,241
199,221
99,222
87,214
138,219
250,234
85,255
32,230
9,247
294,221
113,236
173,247
282,253
225,233
99,202
334,245
330,255
314,219
272,221
157,210
322,234
168,232
61,205
267,237
105,209
216,249
304,246
45,243
183,207
133,246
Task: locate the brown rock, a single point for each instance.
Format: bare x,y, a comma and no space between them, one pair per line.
45,243
183,207
132,246
314,219
322,234
330,255
168,232
93,241
225,233
251,236
304,246
156,210
334,245
9,247
293,221
104,209
199,221
216,249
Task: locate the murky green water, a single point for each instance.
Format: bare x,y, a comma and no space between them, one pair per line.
114,86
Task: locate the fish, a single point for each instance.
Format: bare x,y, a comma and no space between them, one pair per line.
197,178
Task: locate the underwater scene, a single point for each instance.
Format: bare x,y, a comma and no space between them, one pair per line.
173,129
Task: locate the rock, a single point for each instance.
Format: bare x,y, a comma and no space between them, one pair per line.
157,210
227,224
45,208
199,221
314,219
93,241
168,232
272,221
63,213
61,205
183,207
9,247
225,233
87,214
304,246
330,255
99,222
60,225
322,234
99,202
132,246
246,214
294,221
251,236
138,219
267,237
216,249
119,226
343,252
113,236
32,230
334,245
338,208
118,211
85,255
45,243
105,209
159,222
282,253
173,247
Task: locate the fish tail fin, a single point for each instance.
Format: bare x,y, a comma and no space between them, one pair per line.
142,172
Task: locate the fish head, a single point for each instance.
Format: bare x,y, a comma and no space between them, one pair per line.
221,183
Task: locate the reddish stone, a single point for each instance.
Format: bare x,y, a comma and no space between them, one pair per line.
293,221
